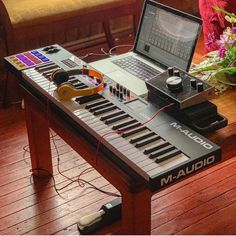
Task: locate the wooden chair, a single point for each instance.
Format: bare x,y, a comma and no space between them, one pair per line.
31,24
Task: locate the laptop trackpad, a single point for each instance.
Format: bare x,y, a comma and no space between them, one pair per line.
135,85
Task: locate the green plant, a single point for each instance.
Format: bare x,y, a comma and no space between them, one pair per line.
222,59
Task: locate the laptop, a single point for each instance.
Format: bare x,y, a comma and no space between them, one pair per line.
166,37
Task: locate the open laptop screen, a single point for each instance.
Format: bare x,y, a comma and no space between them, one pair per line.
167,36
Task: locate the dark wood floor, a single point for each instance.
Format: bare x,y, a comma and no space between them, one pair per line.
202,204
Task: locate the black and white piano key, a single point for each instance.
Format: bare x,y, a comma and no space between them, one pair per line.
154,148
147,141
94,121
48,73
166,165
40,67
85,111
101,125
80,86
111,115
152,144
124,124
167,156
86,99
130,126
161,151
47,68
96,103
141,137
139,158
101,106
133,131
142,160
74,81
42,82
104,110
116,118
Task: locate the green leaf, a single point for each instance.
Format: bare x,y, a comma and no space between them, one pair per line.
230,70
229,58
223,11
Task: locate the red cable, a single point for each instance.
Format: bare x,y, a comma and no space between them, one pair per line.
122,131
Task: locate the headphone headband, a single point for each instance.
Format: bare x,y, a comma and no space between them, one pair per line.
67,91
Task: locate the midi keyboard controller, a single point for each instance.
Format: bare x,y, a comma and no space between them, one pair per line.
157,149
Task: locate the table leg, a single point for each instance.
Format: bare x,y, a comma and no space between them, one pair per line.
136,212
39,139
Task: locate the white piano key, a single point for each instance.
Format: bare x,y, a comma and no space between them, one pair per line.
168,164
134,157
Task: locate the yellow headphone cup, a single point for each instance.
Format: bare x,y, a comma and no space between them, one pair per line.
65,92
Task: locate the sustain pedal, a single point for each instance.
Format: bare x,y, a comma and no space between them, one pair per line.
107,214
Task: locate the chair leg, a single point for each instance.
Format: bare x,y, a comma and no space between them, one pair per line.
108,34
135,25
6,102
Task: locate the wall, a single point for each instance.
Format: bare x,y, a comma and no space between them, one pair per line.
189,6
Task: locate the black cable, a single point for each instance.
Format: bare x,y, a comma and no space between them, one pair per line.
106,53
119,46
51,175
26,150
79,180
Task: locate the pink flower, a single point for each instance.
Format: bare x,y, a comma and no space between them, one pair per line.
233,30
222,52
225,41
211,42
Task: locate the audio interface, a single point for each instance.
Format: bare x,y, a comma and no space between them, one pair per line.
179,87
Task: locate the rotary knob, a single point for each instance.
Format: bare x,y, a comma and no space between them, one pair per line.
200,87
174,83
193,83
170,71
176,73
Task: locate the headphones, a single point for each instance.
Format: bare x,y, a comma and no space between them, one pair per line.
66,90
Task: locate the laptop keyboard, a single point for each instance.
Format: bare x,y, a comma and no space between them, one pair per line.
136,67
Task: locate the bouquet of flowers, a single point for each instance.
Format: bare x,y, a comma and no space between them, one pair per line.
219,69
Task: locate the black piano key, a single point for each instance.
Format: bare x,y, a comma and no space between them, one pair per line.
48,72
93,109
117,118
141,137
167,156
113,114
133,131
146,141
47,68
39,67
78,83
104,110
85,99
155,148
131,126
119,126
162,151
74,80
80,86
97,103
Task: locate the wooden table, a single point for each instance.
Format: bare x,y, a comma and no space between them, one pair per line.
39,119
226,137
136,217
